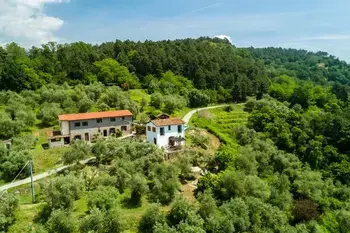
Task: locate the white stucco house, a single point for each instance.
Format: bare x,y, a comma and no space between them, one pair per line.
166,133
86,126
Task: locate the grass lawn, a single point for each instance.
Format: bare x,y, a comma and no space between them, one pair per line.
27,211
45,159
221,123
137,95
181,113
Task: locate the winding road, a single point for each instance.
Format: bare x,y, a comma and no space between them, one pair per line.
186,118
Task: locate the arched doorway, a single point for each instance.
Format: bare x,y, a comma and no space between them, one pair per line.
87,137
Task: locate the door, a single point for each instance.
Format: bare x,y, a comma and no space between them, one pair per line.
87,137
111,131
155,141
105,134
171,141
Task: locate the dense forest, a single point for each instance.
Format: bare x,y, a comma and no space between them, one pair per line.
318,67
286,170
208,63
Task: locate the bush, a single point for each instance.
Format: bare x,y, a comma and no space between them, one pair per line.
138,186
228,108
305,210
8,206
156,100
140,129
11,163
118,133
48,113
164,183
62,191
103,198
79,150
198,99
202,141
61,221
151,218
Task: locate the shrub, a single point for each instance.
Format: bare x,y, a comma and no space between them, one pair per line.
61,221
228,108
103,198
151,218
8,206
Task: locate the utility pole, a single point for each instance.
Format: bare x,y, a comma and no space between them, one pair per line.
31,179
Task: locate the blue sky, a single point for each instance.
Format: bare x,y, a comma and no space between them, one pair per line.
309,24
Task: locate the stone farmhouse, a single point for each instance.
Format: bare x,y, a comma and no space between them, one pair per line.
88,126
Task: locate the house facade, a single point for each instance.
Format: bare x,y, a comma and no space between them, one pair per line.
87,126
166,133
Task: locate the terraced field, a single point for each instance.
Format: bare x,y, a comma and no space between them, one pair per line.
221,123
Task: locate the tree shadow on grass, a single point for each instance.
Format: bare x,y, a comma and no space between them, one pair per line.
43,215
130,203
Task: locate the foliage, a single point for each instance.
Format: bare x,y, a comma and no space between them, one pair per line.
151,218
60,221
109,71
103,198
79,151
138,186
198,99
8,206
48,113
164,183
62,191
13,161
101,221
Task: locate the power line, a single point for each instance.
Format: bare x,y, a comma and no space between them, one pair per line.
15,178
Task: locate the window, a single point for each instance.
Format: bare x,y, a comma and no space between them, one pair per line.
123,118
162,131
124,128
77,124
154,129
56,140
179,128
99,120
85,123
149,128
169,127
112,119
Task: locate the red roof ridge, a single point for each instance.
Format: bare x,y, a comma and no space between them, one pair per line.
94,115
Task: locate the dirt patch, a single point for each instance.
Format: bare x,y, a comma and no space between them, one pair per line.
214,141
187,190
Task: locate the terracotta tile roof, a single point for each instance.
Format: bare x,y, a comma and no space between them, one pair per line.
94,115
170,121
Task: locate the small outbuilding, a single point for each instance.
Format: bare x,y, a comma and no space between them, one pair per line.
166,133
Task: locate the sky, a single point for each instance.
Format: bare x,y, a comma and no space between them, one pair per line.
316,25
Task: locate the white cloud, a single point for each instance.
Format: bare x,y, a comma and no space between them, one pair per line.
329,37
25,22
224,37
207,7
